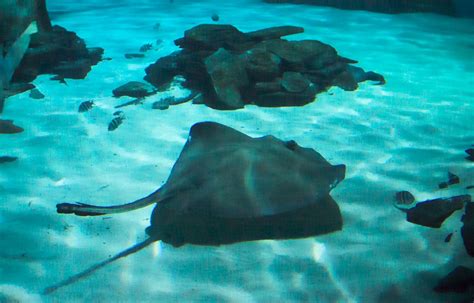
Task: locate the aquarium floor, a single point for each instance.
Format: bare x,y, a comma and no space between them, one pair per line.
405,135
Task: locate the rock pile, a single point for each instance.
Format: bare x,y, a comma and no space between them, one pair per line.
231,68
58,52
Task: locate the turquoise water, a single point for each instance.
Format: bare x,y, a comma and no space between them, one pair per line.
404,135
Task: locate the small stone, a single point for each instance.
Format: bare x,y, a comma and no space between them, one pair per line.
161,104
36,94
7,159
432,213
7,127
134,89
275,32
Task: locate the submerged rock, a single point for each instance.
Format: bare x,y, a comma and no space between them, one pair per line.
7,127
7,159
467,230
58,52
432,213
231,68
134,89
36,94
228,76
459,280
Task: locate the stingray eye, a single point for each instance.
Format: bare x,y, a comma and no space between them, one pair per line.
291,145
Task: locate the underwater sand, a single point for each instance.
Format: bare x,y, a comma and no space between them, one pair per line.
404,135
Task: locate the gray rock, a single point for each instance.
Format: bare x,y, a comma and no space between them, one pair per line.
346,81
294,82
275,32
213,37
262,65
134,89
161,104
36,94
268,87
228,75
432,213
467,230
283,98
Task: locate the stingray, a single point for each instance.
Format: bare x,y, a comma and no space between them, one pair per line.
227,187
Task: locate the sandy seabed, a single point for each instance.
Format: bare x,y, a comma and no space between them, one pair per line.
404,135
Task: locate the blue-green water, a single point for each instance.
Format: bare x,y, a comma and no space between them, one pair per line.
404,135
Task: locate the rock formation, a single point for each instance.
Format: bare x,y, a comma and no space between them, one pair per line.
231,68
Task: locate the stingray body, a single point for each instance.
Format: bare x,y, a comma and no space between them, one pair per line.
227,187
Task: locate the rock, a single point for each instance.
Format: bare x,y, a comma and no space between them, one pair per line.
294,82
360,75
161,104
268,87
134,89
213,37
228,76
262,65
59,52
132,56
163,70
432,213
232,69
346,81
470,152
6,159
146,47
467,230
282,98
274,32
7,127
36,94
459,280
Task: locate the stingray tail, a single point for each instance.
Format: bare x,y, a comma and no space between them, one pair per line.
82,209
92,269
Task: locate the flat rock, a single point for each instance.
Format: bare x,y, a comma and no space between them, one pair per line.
432,213
213,37
7,127
459,280
275,32
7,159
36,94
134,89
228,75
268,87
282,98
467,230
294,82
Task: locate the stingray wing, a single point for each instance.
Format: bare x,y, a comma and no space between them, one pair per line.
224,173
